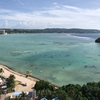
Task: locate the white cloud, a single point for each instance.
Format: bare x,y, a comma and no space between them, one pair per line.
71,8
6,23
61,17
4,11
55,3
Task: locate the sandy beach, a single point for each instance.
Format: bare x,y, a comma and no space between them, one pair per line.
20,77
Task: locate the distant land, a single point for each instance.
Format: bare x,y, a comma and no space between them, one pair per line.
52,30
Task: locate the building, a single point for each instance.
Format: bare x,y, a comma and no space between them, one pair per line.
2,31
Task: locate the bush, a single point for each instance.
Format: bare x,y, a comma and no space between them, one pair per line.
9,90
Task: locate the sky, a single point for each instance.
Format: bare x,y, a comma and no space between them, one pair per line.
40,14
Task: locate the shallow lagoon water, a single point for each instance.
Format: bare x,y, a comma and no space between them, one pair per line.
58,58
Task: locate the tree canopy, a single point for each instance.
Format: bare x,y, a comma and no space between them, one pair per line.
89,91
10,81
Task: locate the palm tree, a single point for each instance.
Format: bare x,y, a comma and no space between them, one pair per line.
10,81
1,71
23,95
12,77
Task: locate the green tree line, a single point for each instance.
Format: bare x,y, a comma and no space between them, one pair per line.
52,30
89,91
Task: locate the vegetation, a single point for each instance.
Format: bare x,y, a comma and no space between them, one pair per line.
45,89
1,92
90,91
22,96
10,81
1,71
40,85
97,40
52,30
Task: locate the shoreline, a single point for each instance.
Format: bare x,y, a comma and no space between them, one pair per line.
21,75
13,70
17,72
30,81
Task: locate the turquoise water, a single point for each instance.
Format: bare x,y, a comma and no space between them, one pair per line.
58,58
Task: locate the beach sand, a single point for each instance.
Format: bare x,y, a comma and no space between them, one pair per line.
20,77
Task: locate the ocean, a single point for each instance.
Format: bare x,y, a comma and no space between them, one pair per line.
58,58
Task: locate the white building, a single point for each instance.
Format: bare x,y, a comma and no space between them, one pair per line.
2,31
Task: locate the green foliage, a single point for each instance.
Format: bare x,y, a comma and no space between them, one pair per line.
23,95
61,94
52,94
45,89
1,71
1,92
8,98
91,91
16,98
52,30
44,93
73,91
9,90
10,81
43,85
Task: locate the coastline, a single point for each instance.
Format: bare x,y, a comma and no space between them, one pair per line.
9,68
30,81
20,74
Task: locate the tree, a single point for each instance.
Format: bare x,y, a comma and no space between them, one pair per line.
41,85
45,93
1,71
91,91
61,94
73,91
10,81
23,96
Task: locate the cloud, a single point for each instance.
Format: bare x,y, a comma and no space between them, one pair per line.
55,3
6,23
4,11
63,16
71,8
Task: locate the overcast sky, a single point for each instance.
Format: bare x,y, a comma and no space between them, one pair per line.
39,14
